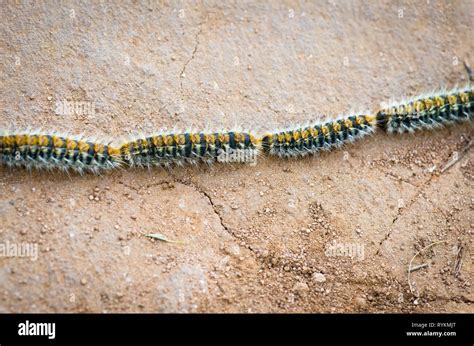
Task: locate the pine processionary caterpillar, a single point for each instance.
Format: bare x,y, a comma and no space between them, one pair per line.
428,112
166,149
39,150
43,150
324,136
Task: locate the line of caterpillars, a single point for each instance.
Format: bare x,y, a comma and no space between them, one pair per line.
39,150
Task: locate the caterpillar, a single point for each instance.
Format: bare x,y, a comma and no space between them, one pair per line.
50,150
41,150
303,140
429,111
166,149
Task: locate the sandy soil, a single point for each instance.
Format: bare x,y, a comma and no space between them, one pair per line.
256,239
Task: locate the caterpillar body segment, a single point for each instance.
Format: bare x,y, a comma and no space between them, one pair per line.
428,112
167,149
310,139
48,151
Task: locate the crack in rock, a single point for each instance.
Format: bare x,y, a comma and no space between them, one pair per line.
215,209
401,211
182,74
211,202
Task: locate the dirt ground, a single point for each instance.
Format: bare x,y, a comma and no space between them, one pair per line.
330,233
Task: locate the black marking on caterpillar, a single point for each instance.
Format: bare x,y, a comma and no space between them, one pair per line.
48,151
428,111
303,140
168,149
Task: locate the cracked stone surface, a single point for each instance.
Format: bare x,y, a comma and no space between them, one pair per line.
331,233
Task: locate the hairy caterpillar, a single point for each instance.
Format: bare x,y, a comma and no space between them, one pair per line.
303,140
165,149
41,150
428,112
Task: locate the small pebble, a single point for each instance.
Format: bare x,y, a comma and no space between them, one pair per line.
318,277
360,301
300,288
